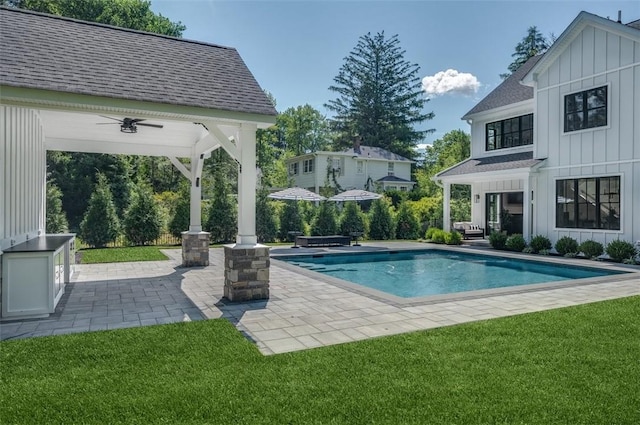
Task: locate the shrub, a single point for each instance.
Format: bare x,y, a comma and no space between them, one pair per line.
352,219
266,225
528,250
591,249
181,217
544,252
621,250
56,218
515,242
142,223
380,221
540,242
222,218
566,245
497,240
325,222
290,220
407,225
452,238
430,232
100,224
438,236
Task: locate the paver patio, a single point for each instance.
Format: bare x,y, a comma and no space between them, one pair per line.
304,310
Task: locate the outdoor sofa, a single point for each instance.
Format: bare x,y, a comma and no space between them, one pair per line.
468,229
334,240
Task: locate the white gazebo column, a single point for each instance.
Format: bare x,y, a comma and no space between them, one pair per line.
526,208
195,242
246,263
446,207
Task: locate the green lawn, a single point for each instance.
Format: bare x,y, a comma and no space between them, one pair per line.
579,365
118,255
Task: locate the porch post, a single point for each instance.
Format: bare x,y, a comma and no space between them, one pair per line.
195,242
246,263
526,208
446,207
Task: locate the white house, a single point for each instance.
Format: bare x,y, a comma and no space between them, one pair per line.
555,149
360,167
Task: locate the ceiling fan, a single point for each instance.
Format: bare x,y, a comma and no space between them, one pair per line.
129,125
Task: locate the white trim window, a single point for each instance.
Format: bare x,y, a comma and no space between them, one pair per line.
359,167
307,166
391,169
293,169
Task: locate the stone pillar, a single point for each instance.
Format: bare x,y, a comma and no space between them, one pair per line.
195,249
246,272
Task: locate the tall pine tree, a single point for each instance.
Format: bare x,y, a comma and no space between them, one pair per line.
534,43
380,97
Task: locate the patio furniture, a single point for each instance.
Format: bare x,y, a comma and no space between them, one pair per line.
355,236
334,240
295,235
468,229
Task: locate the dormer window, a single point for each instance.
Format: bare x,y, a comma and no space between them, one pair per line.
390,169
585,109
510,133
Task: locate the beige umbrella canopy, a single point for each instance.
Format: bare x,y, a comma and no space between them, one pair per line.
355,195
296,194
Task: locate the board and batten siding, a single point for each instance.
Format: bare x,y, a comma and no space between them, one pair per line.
23,184
593,59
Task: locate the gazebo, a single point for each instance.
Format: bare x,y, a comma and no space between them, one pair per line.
60,78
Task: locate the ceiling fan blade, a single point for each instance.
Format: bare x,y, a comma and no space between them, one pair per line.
150,125
111,118
107,123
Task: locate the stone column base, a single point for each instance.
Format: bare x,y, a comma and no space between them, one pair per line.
246,272
195,249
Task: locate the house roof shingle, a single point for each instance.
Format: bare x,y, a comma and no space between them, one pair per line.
394,179
492,163
48,52
509,91
374,152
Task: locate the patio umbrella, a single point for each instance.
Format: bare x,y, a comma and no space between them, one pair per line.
355,195
296,194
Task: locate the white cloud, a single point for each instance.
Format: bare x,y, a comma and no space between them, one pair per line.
450,81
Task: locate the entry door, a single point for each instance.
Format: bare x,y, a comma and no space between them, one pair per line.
504,212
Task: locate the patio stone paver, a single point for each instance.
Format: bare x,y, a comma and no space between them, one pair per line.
302,313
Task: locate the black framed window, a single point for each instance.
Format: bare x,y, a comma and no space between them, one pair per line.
307,166
585,109
510,133
589,203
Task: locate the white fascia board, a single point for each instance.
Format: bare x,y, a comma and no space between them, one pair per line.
91,146
503,112
513,174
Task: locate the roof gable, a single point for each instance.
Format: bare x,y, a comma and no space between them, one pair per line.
571,32
54,53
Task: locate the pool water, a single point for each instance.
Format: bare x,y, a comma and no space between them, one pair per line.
420,273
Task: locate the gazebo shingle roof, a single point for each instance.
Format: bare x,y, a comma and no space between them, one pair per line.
492,163
60,54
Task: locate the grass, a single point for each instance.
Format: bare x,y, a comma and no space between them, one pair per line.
576,365
118,255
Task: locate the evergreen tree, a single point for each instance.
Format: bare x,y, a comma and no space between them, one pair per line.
142,223
290,220
325,222
266,225
182,214
352,219
222,221
534,43
56,218
100,224
407,226
380,97
381,222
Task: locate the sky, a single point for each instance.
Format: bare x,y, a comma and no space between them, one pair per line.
295,48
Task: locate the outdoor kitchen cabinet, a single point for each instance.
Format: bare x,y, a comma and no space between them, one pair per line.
34,274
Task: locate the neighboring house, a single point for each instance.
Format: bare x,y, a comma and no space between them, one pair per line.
360,167
555,149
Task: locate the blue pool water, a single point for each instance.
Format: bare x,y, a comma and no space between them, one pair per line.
419,273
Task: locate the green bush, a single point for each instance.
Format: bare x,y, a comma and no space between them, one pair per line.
222,218
540,242
142,223
380,220
439,236
515,242
56,218
498,240
352,219
591,249
266,224
181,217
430,232
619,250
290,220
452,238
325,222
566,245
407,226
100,224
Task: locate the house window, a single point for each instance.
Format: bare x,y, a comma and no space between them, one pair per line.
590,203
390,169
307,166
360,167
293,168
510,133
586,109
403,188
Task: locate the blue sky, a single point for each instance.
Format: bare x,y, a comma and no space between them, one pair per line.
295,48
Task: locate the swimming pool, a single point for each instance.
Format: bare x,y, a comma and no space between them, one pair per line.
409,274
